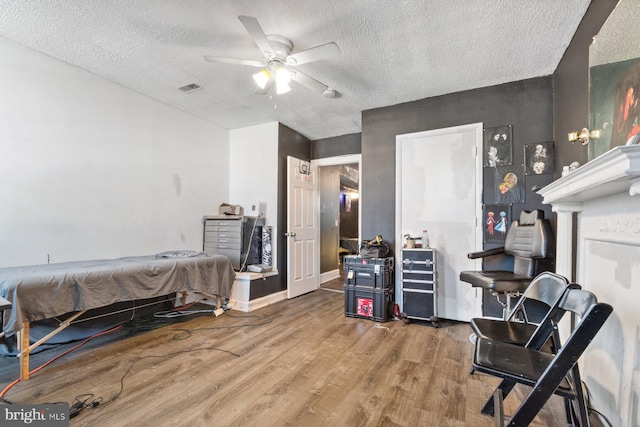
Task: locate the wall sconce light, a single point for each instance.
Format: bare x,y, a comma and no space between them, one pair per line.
582,136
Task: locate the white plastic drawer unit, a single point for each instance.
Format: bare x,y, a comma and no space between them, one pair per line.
419,286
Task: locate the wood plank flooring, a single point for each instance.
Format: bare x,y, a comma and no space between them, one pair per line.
304,364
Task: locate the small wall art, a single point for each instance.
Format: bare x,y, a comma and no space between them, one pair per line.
509,184
539,158
498,146
497,219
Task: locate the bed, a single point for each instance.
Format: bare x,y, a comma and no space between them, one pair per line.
45,291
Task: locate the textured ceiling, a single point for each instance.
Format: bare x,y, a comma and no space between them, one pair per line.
391,51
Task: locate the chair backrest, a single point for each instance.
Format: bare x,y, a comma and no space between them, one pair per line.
540,304
543,293
529,241
592,315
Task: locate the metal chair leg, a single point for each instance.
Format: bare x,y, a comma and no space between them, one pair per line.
498,405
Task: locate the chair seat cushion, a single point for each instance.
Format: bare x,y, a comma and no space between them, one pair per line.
501,330
497,281
512,361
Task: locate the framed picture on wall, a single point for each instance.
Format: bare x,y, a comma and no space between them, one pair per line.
498,146
538,158
509,184
497,219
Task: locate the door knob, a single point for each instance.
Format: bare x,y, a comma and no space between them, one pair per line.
292,234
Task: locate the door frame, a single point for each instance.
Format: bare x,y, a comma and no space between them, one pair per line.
477,128
336,161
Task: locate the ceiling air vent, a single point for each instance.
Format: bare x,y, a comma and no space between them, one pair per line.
189,88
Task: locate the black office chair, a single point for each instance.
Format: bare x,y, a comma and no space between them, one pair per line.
545,373
530,245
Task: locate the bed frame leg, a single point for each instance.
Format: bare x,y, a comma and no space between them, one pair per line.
183,296
23,347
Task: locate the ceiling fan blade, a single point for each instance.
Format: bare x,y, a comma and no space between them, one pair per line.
313,54
210,58
307,81
260,91
257,34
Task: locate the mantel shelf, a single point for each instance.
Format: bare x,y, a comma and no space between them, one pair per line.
616,171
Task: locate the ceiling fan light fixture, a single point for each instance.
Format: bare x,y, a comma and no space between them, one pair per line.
277,53
282,88
283,77
262,78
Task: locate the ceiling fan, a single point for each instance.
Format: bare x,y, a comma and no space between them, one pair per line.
279,62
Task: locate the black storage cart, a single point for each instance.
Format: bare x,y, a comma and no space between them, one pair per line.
419,285
368,288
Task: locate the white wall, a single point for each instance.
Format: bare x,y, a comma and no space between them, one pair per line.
89,169
608,265
253,175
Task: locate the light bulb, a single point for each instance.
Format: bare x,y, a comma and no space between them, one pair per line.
283,77
262,78
282,88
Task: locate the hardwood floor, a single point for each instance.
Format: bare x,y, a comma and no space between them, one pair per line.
335,284
304,364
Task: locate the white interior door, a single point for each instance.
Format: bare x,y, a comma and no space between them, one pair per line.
439,188
302,227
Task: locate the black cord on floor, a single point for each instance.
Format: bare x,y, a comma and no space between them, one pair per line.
186,333
88,401
163,356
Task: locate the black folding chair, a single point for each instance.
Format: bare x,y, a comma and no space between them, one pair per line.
545,373
533,319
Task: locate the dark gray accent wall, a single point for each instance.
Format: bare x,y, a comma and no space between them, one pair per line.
527,105
290,143
571,89
571,85
336,146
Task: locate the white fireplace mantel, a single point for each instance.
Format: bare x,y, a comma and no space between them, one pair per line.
616,171
604,196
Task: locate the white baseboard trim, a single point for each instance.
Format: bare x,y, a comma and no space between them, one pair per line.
329,275
255,304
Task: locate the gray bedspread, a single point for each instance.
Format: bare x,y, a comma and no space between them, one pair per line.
39,292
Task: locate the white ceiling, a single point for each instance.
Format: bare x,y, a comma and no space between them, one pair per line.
392,51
